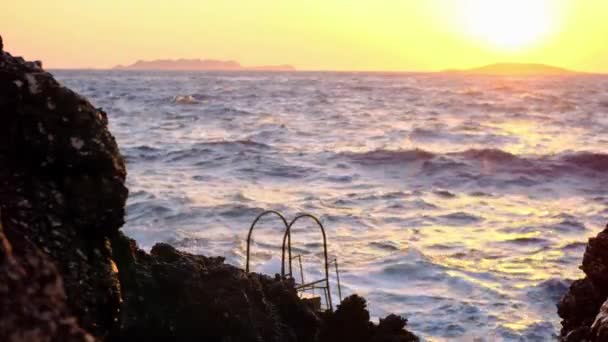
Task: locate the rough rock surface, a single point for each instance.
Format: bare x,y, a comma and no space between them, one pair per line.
580,307
32,300
350,322
70,271
171,295
599,329
176,296
62,185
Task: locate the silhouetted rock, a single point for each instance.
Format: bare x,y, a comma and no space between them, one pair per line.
580,307
595,260
350,322
176,296
392,329
62,185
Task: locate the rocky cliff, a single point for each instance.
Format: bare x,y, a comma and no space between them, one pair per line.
67,273
584,308
61,186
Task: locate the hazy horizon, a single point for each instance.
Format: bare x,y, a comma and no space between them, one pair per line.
339,35
298,69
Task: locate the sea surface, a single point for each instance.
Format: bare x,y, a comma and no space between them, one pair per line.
462,203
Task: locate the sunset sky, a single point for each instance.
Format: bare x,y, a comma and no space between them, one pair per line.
405,35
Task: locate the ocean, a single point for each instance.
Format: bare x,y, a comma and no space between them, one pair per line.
462,203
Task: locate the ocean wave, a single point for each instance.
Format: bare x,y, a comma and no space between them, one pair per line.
222,150
185,100
489,159
232,144
281,171
459,218
574,246
142,152
536,241
226,111
444,194
490,154
385,245
146,209
568,225
237,210
550,290
382,156
587,160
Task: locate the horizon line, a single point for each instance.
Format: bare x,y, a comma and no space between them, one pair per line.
125,67
297,70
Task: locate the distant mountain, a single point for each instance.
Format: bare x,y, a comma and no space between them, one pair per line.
515,69
198,64
281,67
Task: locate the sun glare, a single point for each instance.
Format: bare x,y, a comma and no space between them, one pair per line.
509,24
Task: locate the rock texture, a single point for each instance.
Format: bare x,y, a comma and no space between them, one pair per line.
32,300
62,185
582,319
170,295
599,329
351,323
68,274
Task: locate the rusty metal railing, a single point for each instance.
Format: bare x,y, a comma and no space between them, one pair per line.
320,284
268,212
326,264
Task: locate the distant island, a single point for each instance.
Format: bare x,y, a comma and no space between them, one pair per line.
199,65
515,69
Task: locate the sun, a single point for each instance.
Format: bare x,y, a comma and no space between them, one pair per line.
509,24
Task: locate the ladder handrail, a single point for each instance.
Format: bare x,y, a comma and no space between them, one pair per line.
338,279
288,234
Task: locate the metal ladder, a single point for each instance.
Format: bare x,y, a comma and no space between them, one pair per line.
319,284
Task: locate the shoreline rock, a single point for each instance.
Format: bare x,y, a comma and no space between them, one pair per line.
67,273
172,295
32,298
62,186
584,308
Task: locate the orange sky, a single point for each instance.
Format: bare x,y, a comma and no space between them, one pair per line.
313,34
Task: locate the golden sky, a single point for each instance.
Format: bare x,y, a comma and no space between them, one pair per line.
403,35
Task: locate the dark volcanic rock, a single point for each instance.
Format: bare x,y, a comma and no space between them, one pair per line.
580,306
599,329
170,295
595,260
62,185
32,301
350,322
176,296
392,329
62,199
